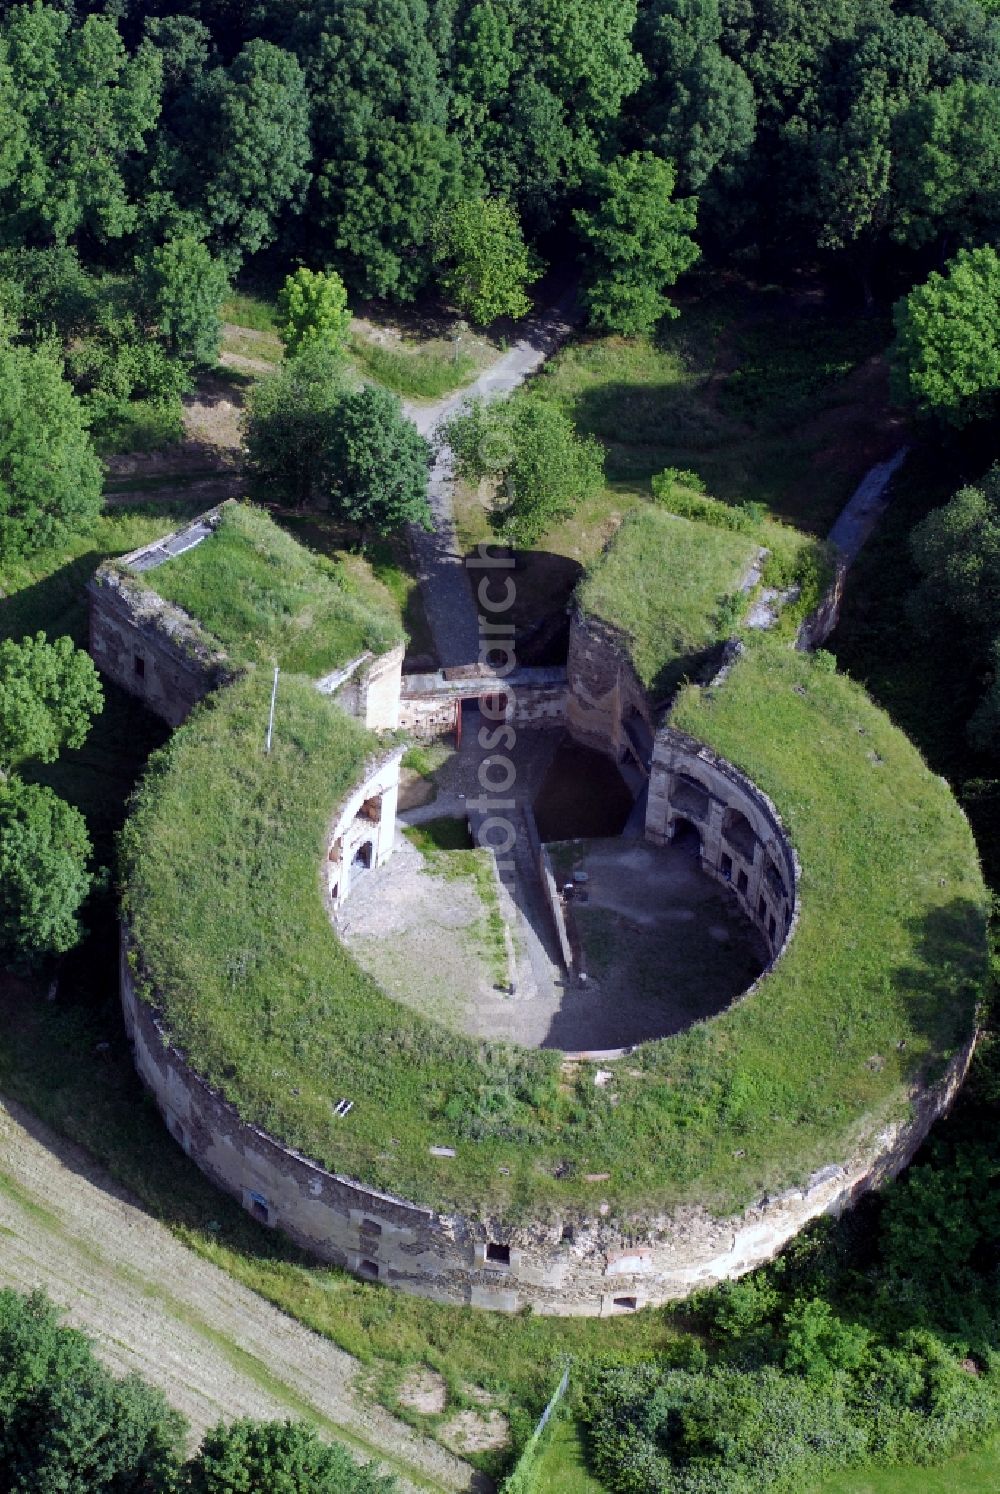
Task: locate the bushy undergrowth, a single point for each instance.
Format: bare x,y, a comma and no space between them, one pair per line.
870,1342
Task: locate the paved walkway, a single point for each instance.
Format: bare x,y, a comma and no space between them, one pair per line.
448,602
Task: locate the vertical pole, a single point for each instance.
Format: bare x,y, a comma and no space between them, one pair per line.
270,719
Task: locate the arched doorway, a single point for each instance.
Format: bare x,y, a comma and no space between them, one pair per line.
686,837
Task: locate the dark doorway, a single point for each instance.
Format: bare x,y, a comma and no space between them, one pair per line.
363,857
686,837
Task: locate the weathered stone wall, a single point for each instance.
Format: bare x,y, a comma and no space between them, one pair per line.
565,1264
815,629
368,688
151,648
534,697
364,827
743,843
604,689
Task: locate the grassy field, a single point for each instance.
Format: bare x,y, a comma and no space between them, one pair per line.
669,584
971,1473
768,397
270,601
412,370
562,1466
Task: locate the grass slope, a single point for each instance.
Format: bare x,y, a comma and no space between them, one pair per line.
665,583
877,988
268,600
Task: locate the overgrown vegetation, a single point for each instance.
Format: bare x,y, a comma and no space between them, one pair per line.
268,600
241,958
679,579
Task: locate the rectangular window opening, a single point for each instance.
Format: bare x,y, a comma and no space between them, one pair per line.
370,1227
368,1268
726,867
627,1304
498,1254
771,927
761,908
139,665
742,881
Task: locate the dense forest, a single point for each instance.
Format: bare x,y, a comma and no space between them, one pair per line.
154,155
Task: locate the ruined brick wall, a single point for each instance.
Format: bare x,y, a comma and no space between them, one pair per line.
535,697
604,690
151,648
565,1264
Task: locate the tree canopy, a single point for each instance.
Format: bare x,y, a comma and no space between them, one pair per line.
50,477
486,265
638,241
946,357
44,875
314,440
49,694
281,1457
538,466
312,307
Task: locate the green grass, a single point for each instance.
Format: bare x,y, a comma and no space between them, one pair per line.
413,371
268,600
221,893
672,586
971,1473
562,1467
747,388
663,582
255,312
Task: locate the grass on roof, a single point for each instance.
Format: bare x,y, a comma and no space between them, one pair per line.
666,583
876,989
269,600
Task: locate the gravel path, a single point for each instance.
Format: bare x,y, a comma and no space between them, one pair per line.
448,603
152,1306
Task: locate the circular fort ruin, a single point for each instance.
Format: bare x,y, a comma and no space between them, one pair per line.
503,1176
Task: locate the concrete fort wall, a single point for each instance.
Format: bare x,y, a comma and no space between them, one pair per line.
364,831
527,697
151,648
564,1264
605,694
742,841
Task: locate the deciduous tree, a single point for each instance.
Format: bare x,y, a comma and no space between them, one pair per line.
49,695
638,241
184,288
312,307
281,1457
946,356
486,265
379,463
44,876
50,477
540,468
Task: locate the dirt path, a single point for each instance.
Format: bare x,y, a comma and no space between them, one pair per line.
448,603
152,1306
